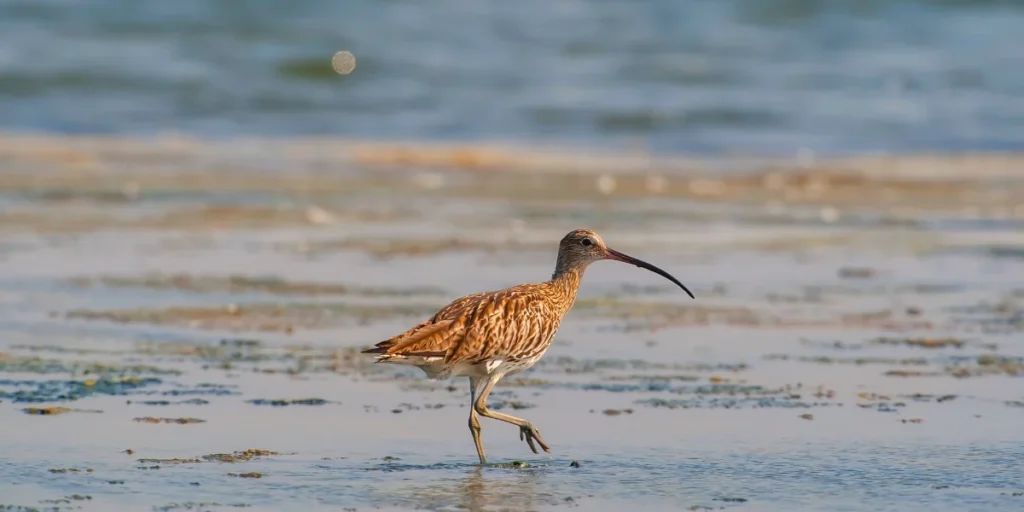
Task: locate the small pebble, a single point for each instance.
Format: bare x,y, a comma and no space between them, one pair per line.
343,62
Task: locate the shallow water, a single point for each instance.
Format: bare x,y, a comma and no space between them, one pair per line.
823,366
180,317
728,75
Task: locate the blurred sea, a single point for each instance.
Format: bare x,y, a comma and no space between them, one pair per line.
672,75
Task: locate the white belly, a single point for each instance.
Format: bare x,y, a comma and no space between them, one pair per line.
435,368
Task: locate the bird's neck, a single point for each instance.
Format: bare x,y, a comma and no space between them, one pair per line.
564,283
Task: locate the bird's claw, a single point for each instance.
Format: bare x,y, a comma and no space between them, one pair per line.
530,434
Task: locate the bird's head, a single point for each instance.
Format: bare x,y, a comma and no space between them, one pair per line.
581,247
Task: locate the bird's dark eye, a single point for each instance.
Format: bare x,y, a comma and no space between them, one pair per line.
587,242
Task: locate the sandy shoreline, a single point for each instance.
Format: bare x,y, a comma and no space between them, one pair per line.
377,180
85,151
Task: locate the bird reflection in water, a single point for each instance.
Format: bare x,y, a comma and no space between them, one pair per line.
482,488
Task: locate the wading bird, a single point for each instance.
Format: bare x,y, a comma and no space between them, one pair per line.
486,336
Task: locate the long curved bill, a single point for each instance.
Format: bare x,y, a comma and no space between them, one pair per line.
618,256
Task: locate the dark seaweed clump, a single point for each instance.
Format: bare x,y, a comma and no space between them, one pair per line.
36,391
286,402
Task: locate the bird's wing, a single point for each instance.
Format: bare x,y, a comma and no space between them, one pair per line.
432,337
509,324
427,339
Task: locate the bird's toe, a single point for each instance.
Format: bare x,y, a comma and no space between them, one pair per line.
532,437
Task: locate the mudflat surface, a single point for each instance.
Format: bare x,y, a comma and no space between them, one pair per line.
185,337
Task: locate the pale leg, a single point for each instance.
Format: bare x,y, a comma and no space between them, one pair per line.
474,422
526,430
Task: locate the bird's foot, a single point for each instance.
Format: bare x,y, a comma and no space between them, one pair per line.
530,434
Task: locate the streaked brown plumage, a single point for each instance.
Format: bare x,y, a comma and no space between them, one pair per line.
486,336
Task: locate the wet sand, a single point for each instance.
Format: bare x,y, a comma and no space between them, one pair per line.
181,319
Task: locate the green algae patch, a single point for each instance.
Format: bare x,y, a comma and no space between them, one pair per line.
987,365
210,217
234,457
574,365
175,460
307,69
282,402
515,464
163,403
523,382
225,354
245,284
510,404
389,248
732,403
67,500
15,364
176,421
36,391
70,470
858,361
197,505
239,456
283,317
649,315
964,367
743,396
